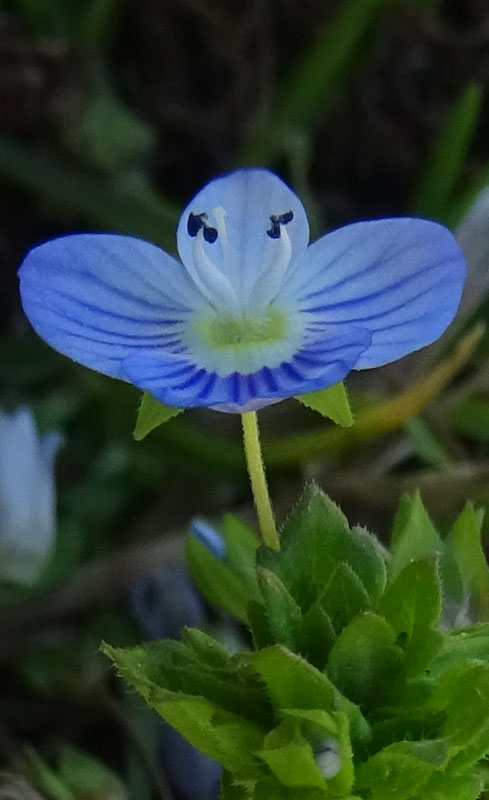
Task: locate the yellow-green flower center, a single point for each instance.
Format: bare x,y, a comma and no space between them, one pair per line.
245,330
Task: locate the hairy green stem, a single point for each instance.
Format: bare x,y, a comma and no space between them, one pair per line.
256,470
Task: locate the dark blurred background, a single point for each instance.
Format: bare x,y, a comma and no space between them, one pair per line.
112,114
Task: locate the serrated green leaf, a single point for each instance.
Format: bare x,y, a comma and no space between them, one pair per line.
464,541
364,661
175,668
331,402
317,538
216,580
400,771
411,604
283,613
232,790
151,415
413,534
317,636
291,681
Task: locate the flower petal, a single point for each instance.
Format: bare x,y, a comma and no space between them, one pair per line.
99,297
401,279
179,382
239,207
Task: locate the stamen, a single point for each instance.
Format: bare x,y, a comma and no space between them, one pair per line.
276,220
219,214
269,284
195,222
209,279
210,234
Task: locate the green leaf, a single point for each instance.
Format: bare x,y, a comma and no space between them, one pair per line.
231,789
217,581
180,669
412,607
433,195
214,708
331,402
462,645
290,757
241,547
427,444
343,597
85,776
291,681
151,415
464,787
283,613
312,81
364,661
317,636
463,695
401,770
413,535
316,540
464,541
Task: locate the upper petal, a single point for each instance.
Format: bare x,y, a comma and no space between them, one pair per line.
239,207
401,279
98,297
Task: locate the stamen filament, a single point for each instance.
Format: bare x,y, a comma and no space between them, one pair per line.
256,471
213,284
269,284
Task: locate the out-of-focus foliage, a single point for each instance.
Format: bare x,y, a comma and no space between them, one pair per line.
111,115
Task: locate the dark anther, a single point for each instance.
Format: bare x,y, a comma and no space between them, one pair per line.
276,220
285,218
210,234
195,223
274,231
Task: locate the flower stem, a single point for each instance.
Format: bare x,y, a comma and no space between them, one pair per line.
256,470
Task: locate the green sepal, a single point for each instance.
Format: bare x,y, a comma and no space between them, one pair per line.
401,770
314,541
411,604
364,661
331,402
151,415
413,534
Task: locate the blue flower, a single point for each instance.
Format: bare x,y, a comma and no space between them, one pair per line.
27,496
251,314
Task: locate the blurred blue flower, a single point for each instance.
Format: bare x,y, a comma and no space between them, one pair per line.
209,536
27,496
163,603
252,314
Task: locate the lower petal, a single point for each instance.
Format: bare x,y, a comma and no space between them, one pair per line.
317,364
